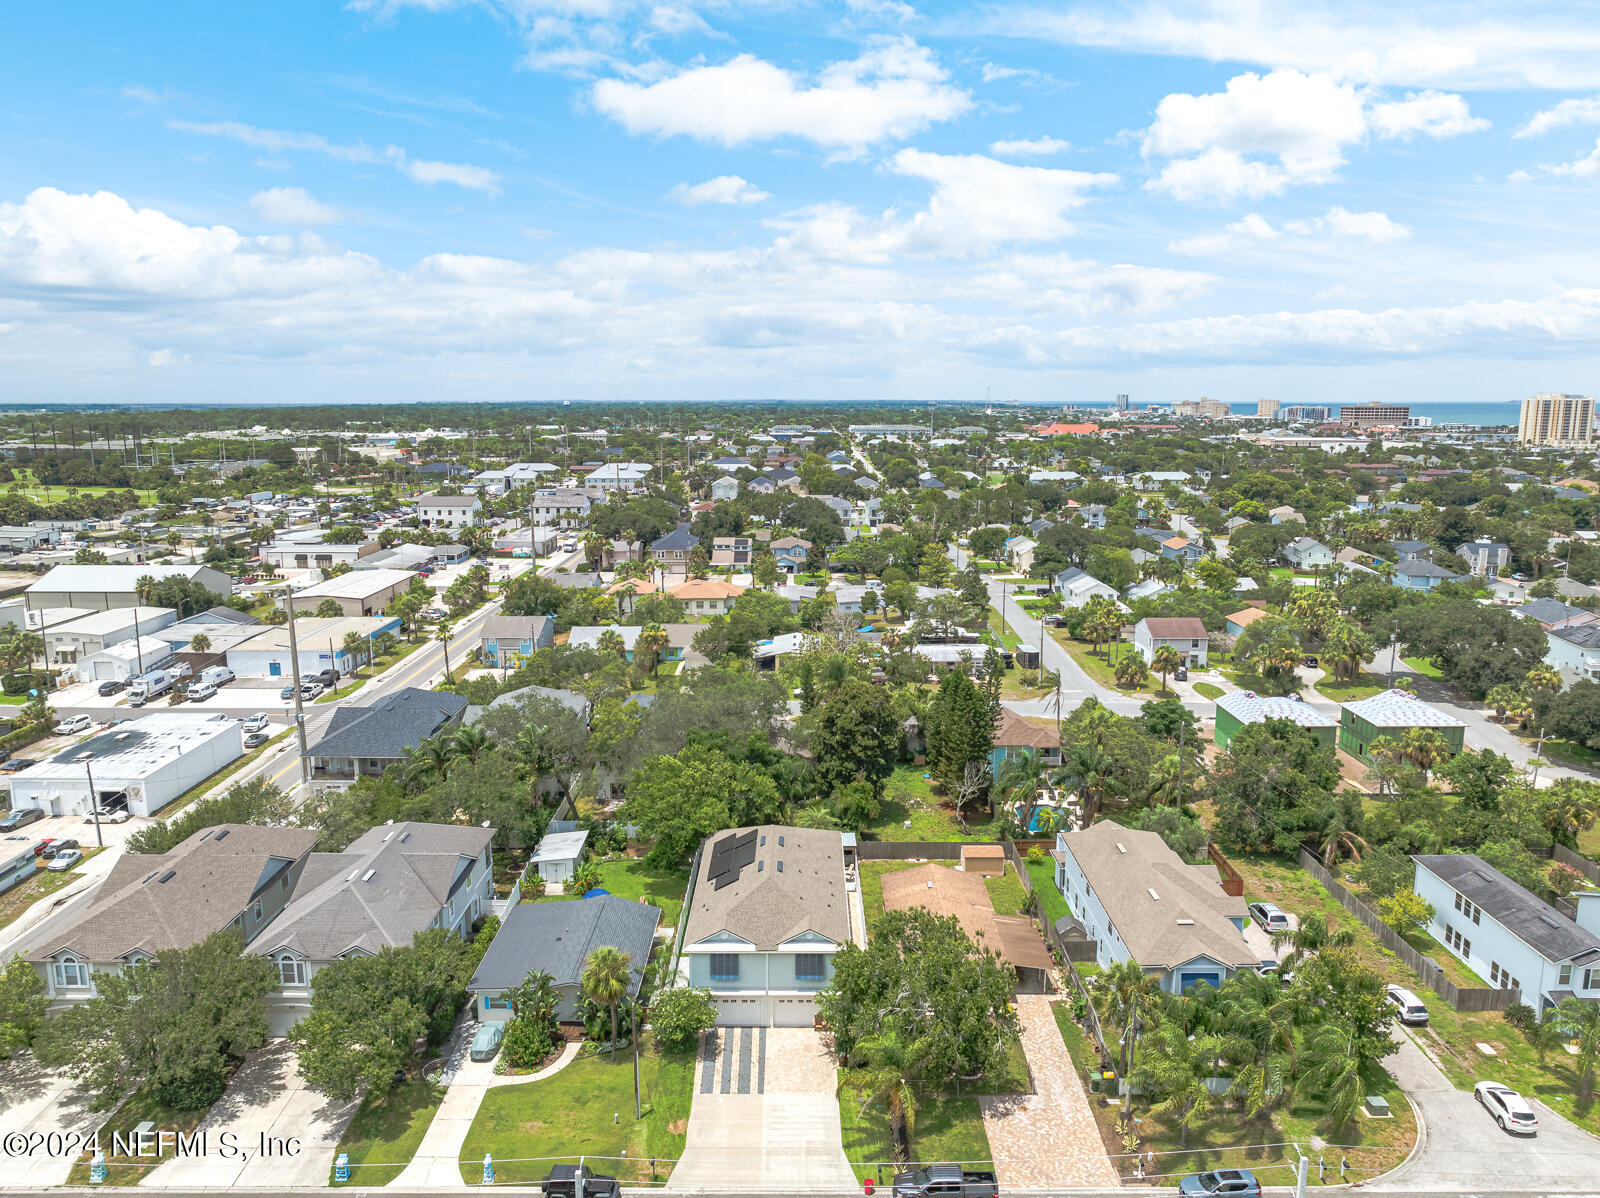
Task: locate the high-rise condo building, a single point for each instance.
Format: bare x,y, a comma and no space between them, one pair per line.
1551,419
1375,415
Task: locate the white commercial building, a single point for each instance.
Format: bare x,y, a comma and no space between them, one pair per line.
98,587
144,764
124,660
77,639
321,643
359,593
449,511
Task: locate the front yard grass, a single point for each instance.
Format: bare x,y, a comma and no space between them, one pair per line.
1363,686
1097,667
19,898
1208,690
529,1128
946,1129
386,1131
909,796
631,878
139,1107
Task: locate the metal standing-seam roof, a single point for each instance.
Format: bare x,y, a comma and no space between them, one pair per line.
1396,709
1249,708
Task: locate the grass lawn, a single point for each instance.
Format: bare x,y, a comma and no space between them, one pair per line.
387,1131
14,700
946,1129
344,692
1091,663
1232,1140
1006,894
1568,753
528,1128
1208,690
1051,905
1422,666
631,878
1002,630
137,1108
19,898
909,795
1454,968
1363,686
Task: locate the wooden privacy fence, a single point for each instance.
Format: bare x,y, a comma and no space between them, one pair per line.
1462,998
909,850
1232,883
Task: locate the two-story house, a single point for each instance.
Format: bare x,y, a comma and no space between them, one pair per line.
1575,651
767,910
790,553
449,511
733,552
233,876
509,639
1181,549
1186,634
1139,901
1094,515
1508,935
563,507
671,551
1076,587
392,882
724,489
1015,736
1304,553
1485,557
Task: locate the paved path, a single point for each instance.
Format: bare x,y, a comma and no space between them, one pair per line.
1048,1138
765,1115
437,1163
38,1101
1460,1150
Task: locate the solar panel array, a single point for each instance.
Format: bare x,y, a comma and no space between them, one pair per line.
729,856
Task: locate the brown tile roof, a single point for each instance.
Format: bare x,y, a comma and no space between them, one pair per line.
1012,731
946,891
1248,616
1175,628
705,588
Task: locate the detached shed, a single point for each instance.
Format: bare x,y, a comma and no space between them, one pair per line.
558,854
988,860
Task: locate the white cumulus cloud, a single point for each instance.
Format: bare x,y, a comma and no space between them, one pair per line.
724,189
894,89
1425,114
1255,230
292,206
1029,147
1583,111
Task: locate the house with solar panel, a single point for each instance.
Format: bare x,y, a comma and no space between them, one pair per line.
1390,713
1509,935
768,907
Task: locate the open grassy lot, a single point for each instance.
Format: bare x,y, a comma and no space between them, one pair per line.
1097,665
386,1131
1363,686
1208,690
1263,1143
530,1127
631,878
1422,666
909,797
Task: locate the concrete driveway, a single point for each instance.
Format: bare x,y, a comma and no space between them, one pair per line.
1461,1150
766,1112
266,1102
1260,940
36,1100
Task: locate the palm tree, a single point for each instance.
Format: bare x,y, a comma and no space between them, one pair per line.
442,633
1333,1072
1579,1019
470,743
536,998
1164,660
431,759
611,641
653,640
889,1063
534,760
1086,769
1020,782
1503,698
605,981
1175,1069
1542,677
357,647
144,588
1311,937
1130,670
1345,648
594,549
1125,995
1423,748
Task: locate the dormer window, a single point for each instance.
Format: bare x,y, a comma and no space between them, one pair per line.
291,969
70,972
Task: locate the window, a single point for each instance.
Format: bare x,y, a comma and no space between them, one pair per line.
809,967
1458,902
256,909
291,970
724,967
72,973
491,1003
1466,947
1591,979
1564,978
1494,973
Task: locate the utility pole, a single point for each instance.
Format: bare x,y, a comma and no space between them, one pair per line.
294,674
94,801
1183,727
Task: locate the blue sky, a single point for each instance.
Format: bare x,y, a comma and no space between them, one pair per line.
393,200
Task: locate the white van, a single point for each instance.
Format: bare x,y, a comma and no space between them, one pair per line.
217,675
201,691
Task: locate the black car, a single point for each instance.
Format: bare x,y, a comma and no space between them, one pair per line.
575,1181
111,687
1181,674
20,818
15,765
58,846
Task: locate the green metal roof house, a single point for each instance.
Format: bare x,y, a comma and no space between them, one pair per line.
1390,714
1236,710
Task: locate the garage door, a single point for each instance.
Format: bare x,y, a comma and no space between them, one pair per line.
741,1012
1188,981
793,1012
104,671
281,1018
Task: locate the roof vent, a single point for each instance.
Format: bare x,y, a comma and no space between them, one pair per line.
352,876
386,836
123,735
222,834
405,836
763,842
166,877
930,883
1150,890
207,836
1186,923
367,877
1121,848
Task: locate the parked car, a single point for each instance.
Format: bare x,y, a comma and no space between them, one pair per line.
20,818
1270,916
931,1180
575,1181
487,1041
1310,662
199,692
111,687
5,755
1181,674
327,678
58,845
40,849
16,765
1510,1109
257,722
64,861
73,724
1232,1182
254,740
287,692
311,690
1409,1008
109,815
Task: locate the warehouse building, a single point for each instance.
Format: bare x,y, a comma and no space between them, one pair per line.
99,588
1239,708
267,653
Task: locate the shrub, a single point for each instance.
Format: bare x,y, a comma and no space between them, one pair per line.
584,879
191,1092
1520,1016
1035,853
679,1016
526,1045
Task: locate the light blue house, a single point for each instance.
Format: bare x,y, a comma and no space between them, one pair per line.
1139,901
1014,737
1507,935
509,639
767,911
680,637
1419,574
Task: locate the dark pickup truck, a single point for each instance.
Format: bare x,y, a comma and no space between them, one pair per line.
575,1181
945,1181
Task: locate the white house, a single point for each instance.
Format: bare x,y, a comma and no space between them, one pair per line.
1076,587
1575,651
1506,934
564,507
1303,553
1186,634
449,511
767,910
1139,901
725,489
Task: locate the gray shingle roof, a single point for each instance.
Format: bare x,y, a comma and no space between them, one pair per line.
1584,636
212,879
678,538
558,938
390,884
1424,569
767,905
391,726
1533,921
